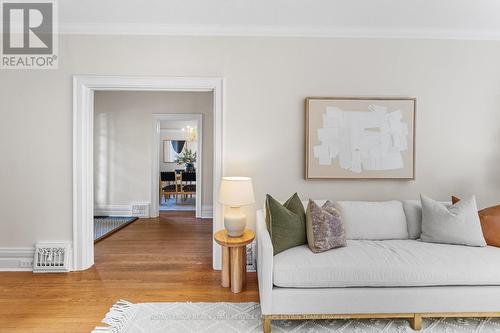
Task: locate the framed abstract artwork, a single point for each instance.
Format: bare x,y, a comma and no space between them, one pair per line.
172,148
360,138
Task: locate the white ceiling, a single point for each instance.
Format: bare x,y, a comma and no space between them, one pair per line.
467,19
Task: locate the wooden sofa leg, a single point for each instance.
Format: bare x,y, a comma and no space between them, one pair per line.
266,323
416,322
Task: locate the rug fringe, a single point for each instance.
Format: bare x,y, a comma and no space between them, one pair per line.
117,317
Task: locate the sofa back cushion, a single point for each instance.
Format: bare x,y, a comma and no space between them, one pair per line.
319,202
373,220
413,212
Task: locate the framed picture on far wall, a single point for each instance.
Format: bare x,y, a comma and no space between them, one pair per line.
171,149
360,138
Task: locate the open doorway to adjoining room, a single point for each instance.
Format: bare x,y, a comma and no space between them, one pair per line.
149,153
85,89
180,162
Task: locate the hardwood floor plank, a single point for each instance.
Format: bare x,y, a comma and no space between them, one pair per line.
165,259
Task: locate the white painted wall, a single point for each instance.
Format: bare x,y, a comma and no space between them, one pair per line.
123,147
457,85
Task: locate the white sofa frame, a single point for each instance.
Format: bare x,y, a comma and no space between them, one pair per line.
412,303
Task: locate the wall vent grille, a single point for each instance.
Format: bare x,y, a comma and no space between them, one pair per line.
140,209
51,258
251,264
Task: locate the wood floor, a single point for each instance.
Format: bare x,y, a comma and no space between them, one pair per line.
165,259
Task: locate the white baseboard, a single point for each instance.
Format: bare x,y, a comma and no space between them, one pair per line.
113,210
207,212
16,259
120,210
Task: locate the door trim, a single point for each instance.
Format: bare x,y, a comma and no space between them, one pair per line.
84,87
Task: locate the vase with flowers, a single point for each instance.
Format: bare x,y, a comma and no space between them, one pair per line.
188,158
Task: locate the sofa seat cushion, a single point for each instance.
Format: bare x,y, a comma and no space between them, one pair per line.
389,263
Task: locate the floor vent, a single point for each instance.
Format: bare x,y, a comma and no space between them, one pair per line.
251,262
140,209
51,258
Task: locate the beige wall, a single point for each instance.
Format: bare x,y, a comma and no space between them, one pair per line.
457,85
123,142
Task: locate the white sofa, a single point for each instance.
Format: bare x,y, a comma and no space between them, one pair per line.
387,273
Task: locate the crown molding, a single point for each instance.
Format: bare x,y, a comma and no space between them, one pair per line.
271,31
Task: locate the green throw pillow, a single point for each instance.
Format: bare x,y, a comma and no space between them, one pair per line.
286,223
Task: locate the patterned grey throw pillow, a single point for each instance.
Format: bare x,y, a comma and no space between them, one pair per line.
325,229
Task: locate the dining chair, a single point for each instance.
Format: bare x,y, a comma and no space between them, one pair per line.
168,185
188,184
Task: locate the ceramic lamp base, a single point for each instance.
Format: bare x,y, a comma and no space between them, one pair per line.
234,222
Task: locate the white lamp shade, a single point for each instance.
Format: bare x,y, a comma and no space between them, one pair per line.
236,191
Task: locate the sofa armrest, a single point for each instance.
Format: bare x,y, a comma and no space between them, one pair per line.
264,264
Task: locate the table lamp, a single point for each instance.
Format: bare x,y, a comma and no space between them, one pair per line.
234,193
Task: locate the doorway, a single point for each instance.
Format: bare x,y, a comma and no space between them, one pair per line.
178,163
84,88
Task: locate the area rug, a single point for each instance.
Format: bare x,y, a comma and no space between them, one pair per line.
105,225
179,204
245,318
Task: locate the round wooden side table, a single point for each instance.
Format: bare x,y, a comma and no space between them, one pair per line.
234,263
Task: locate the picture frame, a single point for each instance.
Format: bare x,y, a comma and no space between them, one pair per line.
169,151
360,138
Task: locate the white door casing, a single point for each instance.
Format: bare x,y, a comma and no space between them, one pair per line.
84,87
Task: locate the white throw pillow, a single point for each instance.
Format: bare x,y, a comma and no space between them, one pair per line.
373,220
458,224
413,212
